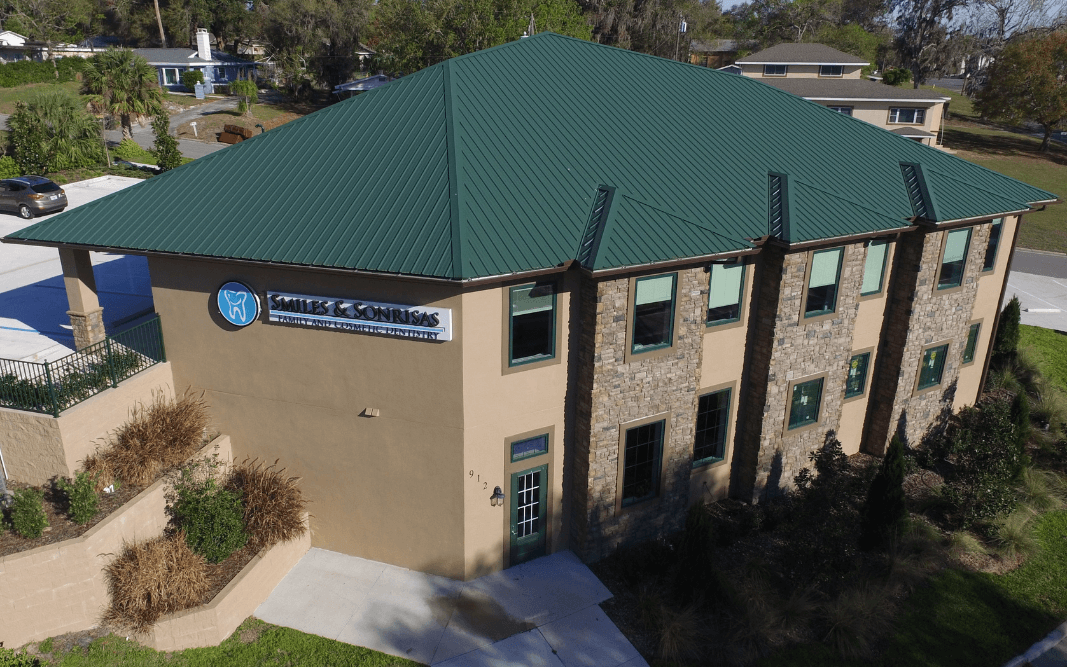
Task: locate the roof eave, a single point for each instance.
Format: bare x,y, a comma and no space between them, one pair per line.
930,100
793,62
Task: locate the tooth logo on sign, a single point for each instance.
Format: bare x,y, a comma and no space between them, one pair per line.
238,304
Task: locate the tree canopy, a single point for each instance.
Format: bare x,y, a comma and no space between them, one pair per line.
124,85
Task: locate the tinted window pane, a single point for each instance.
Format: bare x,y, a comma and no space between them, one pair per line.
530,447
874,267
933,365
805,402
856,381
972,343
713,414
955,259
830,70
640,479
822,283
43,188
653,313
724,293
533,323
991,246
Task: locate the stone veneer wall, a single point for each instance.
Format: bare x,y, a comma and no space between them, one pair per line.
933,316
797,349
612,392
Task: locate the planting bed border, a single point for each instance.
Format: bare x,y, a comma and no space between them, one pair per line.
59,588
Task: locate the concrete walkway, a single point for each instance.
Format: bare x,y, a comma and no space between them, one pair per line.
544,612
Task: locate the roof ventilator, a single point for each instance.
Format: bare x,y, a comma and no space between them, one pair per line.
922,204
779,203
594,228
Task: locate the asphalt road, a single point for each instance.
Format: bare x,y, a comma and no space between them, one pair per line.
1053,265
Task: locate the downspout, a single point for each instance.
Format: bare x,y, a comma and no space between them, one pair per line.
3,483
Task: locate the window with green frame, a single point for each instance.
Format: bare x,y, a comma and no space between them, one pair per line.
972,342
640,477
653,324
856,380
532,324
874,267
932,367
725,289
713,417
954,260
822,282
805,402
991,246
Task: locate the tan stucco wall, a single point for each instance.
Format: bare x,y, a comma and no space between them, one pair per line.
61,587
387,488
986,305
212,623
498,405
38,447
877,113
722,362
803,72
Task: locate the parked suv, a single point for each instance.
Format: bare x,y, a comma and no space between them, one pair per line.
31,195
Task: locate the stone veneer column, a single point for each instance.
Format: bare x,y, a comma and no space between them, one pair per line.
612,392
86,315
921,315
785,349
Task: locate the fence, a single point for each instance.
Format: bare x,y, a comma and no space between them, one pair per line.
52,387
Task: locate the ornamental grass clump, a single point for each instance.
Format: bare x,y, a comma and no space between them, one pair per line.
153,578
27,513
160,435
273,504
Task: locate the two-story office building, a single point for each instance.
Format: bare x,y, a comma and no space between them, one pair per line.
511,304
834,79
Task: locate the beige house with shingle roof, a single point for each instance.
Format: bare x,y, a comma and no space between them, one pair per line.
832,78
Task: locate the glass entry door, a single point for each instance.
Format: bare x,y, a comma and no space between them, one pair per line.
528,514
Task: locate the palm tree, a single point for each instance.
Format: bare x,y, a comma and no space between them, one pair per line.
124,84
70,136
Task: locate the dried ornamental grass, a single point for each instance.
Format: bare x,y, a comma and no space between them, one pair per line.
158,436
153,578
274,505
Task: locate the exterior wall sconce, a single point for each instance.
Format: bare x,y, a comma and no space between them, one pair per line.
497,499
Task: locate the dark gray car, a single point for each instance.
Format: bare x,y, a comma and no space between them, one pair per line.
31,195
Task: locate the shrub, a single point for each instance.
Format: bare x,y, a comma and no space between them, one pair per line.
273,504
192,77
1020,418
158,436
884,510
128,149
691,578
166,147
81,496
1014,535
27,513
1006,340
211,517
894,76
12,658
22,72
153,578
8,167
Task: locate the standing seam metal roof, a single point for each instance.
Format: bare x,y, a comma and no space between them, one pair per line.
488,165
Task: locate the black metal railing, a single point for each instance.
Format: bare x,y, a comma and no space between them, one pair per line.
52,387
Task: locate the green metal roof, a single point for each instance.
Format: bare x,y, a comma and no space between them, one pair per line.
488,164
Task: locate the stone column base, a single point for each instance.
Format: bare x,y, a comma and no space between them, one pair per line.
88,327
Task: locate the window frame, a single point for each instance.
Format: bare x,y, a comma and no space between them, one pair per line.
786,431
506,365
784,68
711,462
947,344
870,352
844,111
840,71
511,442
996,250
915,113
177,75
889,248
821,315
938,289
631,315
719,325
657,498
966,343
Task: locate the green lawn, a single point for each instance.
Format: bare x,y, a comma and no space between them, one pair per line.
966,618
1049,350
254,643
8,96
1016,155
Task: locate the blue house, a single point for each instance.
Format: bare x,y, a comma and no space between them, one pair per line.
219,68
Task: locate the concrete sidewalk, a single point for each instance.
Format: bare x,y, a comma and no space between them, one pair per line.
544,612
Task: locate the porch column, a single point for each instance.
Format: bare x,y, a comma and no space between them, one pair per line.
86,315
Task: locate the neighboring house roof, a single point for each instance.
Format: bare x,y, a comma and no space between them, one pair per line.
9,38
100,42
912,132
853,90
483,166
731,69
801,54
360,85
187,56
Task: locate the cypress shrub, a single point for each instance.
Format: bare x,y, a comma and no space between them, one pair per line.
166,147
81,496
27,513
1020,417
884,510
1007,338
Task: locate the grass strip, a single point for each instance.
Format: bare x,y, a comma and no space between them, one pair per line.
1049,350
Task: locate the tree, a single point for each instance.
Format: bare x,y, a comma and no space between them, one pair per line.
48,21
885,510
923,36
166,147
1028,81
123,84
53,131
246,90
1007,337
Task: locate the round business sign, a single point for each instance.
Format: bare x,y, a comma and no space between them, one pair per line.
238,304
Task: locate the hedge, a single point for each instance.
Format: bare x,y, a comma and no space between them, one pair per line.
23,72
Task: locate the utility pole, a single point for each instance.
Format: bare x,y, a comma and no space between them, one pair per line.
681,31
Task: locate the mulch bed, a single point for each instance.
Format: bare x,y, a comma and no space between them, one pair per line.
60,527
221,574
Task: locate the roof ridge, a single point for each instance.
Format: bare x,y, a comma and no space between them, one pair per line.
455,221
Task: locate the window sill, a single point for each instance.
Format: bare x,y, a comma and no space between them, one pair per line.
652,502
707,464
508,369
798,429
873,295
723,324
817,317
849,399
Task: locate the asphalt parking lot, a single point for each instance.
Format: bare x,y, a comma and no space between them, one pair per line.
1040,281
